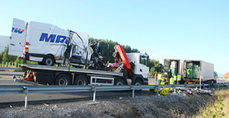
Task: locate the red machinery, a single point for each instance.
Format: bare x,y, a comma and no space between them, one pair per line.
122,60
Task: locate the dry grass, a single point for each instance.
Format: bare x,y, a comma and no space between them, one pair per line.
209,110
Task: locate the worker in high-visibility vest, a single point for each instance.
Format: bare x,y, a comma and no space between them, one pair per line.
175,79
171,81
179,78
166,80
155,76
159,78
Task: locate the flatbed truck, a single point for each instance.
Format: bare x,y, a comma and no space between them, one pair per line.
130,68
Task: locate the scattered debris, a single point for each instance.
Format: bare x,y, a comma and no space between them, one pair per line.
46,105
188,92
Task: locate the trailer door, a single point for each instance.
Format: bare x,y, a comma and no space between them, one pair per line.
17,39
167,65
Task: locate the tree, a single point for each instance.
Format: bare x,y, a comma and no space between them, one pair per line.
155,66
5,56
106,48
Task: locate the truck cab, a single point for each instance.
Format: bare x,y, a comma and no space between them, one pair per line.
141,63
134,67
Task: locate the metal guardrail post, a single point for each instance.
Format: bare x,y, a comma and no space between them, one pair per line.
200,82
94,93
26,97
158,89
133,93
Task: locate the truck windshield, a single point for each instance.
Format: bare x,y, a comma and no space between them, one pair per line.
144,59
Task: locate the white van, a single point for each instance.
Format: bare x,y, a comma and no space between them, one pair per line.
47,44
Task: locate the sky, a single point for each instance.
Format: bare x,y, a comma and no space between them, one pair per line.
180,29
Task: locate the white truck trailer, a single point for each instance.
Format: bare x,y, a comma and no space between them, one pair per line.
199,71
190,70
47,44
173,67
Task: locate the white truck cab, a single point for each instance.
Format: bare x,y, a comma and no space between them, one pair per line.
141,62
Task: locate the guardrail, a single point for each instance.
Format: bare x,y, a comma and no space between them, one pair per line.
11,73
12,89
9,68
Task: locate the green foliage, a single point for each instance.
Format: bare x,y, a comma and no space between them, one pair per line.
5,56
107,48
215,111
218,108
6,59
155,66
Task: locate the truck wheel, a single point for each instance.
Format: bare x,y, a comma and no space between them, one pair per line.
138,82
81,80
40,63
63,80
48,60
119,82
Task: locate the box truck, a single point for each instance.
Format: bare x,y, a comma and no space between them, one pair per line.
194,71
48,44
199,71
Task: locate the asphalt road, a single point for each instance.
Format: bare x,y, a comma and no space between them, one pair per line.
10,81
11,73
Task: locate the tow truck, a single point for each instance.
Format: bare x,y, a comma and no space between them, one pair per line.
128,69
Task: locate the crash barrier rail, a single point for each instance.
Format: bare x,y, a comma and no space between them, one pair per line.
11,73
18,89
9,68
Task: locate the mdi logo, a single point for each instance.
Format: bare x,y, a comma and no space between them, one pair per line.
17,30
53,38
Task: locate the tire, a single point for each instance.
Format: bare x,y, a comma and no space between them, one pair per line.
40,63
48,60
138,82
81,80
119,82
63,80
